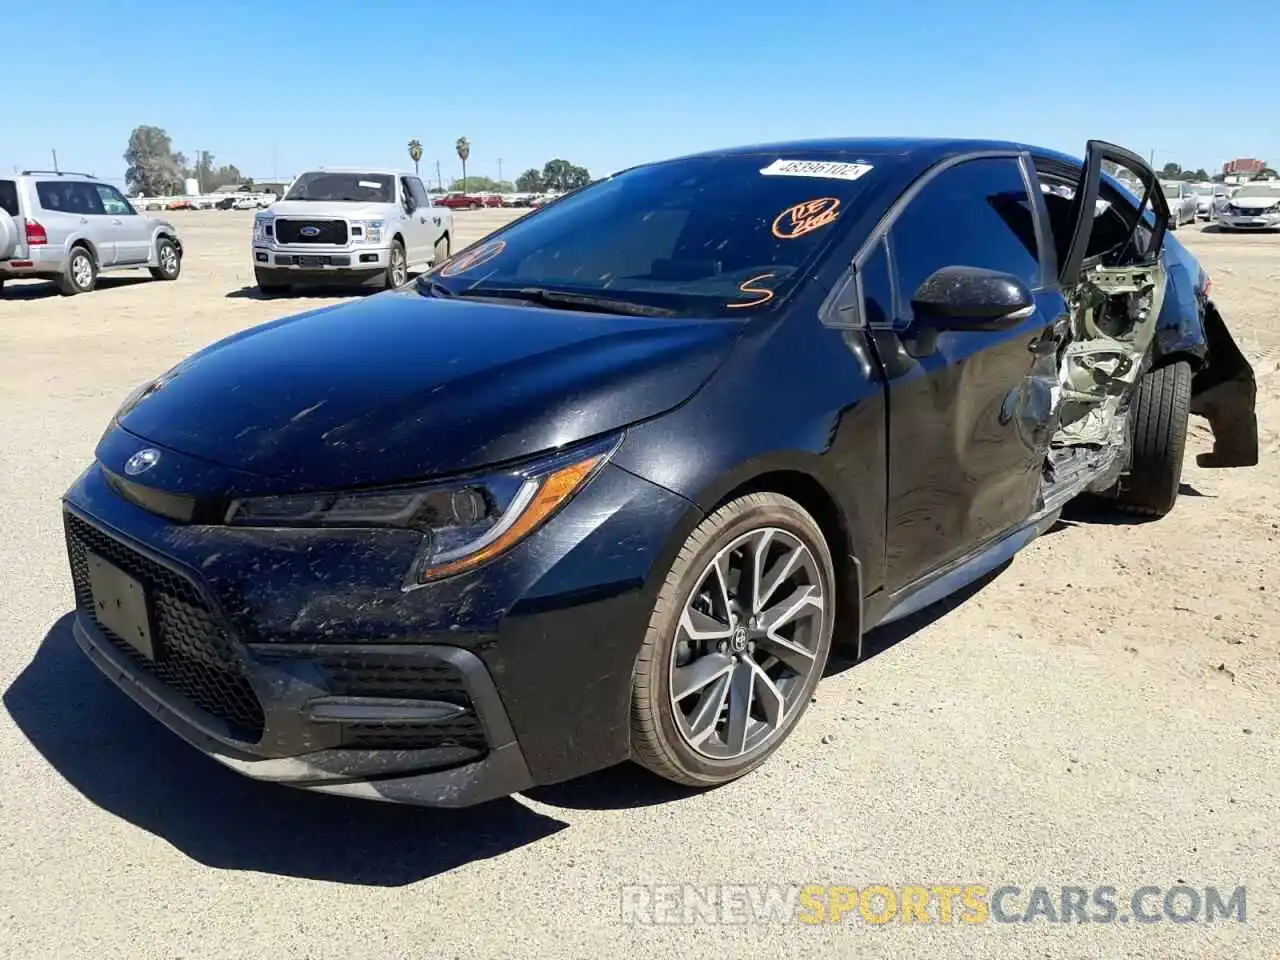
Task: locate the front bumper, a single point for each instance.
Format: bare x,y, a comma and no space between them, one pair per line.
298,657
1232,221
323,261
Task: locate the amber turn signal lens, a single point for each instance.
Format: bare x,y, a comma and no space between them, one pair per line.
553,491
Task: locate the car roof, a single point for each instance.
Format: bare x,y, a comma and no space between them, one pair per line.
919,148
384,171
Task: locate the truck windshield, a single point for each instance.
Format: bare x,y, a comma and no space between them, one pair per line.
352,187
711,236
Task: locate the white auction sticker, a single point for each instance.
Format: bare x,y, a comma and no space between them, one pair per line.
371,184
823,169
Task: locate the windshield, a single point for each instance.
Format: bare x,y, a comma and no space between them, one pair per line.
1171,190
354,187
1258,190
703,236
1204,190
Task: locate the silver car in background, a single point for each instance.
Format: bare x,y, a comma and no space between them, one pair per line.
1182,202
1254,206
1210,197
70,227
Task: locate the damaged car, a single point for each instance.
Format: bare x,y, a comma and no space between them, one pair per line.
609,483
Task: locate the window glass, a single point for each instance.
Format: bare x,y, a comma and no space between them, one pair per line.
69,196
974,215
9,197
877,289
323,186
419,194
112,202
709,236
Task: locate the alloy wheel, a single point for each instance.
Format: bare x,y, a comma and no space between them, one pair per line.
398,273
168,260
746,644
82,271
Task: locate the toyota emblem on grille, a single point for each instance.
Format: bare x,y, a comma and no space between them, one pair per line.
310,231
142,461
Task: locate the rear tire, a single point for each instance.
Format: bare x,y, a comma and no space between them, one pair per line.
693,740
269,282
1157,440
169,260
80,275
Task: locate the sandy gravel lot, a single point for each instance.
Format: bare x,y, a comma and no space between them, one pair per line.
1106,711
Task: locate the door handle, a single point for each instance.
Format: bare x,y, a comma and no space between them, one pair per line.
84,219
117,221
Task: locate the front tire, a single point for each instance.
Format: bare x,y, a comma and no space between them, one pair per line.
1157,440
169,260
80,275
269,282
397,267
736,644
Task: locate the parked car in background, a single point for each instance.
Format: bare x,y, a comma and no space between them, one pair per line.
180,205
344,225
615,479
459,201
71,227
1253,206
1182,202
1209,196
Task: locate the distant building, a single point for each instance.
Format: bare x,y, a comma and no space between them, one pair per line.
1248,167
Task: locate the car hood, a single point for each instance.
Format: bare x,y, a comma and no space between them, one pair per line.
329,208
402,387
1254,203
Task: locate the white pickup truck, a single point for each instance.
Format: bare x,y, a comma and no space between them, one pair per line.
349,225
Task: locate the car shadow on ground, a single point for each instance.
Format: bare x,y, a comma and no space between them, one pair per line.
47,288
123,760
300,293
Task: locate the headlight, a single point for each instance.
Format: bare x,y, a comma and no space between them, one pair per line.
372,229
262,228
464,523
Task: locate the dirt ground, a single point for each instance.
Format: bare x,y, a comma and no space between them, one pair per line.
1103,712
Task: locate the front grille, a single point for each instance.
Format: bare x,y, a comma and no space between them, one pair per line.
404,676
194,656
327,231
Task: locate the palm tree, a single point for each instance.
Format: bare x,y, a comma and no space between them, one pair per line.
415,154
463,147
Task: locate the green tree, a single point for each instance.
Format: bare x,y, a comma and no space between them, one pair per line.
529,182
463,146
154,169
562,176
1201,174
1171,171
1266,173
482,185
415,153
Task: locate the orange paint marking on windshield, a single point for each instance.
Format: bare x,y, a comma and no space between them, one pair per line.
763,294
473,259
805,217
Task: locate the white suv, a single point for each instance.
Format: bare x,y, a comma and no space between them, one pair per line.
349,226
70,227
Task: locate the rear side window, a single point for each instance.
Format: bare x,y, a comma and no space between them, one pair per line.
9,197
976,214
69,196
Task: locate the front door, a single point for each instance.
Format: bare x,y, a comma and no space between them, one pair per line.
969,410
131,232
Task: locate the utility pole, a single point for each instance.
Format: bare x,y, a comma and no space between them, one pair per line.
499,170
439,181
55,161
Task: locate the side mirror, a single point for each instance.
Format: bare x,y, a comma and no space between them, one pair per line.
972,298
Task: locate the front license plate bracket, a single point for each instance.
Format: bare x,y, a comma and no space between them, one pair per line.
120,605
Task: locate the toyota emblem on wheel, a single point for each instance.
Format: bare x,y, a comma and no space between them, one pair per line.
142,461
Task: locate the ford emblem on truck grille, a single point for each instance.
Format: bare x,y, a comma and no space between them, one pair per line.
310,231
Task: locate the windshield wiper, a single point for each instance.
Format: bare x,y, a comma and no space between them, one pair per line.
568,301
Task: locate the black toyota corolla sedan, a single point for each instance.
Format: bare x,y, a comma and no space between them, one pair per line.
609,483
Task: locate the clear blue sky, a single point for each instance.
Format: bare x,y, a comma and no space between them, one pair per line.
282,85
